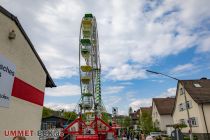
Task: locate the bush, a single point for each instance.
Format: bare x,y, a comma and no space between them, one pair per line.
186,138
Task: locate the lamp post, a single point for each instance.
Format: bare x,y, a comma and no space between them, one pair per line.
185,98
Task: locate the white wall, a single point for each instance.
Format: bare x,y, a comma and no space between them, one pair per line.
21,114
193,112
165,120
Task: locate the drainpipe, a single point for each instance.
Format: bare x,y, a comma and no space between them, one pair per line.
204,118
188,114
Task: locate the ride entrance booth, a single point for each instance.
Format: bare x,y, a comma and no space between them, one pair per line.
23,79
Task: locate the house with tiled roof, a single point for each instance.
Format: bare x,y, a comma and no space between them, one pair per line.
162,109
192,106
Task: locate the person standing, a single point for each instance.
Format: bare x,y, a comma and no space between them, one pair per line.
149,138
142,136
19,138
128,135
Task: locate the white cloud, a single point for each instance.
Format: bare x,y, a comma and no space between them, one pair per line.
122,112
146,102
112,89
183,68
128,38
64,90
126,72
111,101
59,106
205,45
169,93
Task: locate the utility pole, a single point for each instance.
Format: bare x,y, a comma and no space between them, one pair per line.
185,98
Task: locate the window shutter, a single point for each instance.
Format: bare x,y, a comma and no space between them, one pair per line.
196,119
180,107
184,106
190,104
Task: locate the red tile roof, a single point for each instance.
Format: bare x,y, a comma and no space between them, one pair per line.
199,94
164,105
146,109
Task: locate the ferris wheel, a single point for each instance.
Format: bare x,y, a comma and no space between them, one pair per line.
90,83
90,67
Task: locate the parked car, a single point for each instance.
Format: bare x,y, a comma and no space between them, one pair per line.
155,134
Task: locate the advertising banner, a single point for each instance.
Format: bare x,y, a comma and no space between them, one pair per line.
7,74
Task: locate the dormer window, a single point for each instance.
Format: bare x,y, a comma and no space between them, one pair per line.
197,85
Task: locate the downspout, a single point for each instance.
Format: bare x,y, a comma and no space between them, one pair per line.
204,118
188,113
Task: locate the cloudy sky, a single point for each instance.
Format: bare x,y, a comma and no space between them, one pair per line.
167,36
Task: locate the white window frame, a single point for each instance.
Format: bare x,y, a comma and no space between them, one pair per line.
197,85
182,121
189,104
181,91
181,108
194,121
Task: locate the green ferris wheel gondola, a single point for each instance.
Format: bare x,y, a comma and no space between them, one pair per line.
85,42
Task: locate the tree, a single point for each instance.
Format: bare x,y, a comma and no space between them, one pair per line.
46,112
146,122
71,116
105,117
127,122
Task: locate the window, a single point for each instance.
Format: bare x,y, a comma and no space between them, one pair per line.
48,125
181,91
44,126
189,104
182,121
181,107
194,121
197,85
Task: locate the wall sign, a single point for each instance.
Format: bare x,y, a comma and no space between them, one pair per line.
7,74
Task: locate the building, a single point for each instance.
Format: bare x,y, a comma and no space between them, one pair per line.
53,122
192,106
26,77
162,109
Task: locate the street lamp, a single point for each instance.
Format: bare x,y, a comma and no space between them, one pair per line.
188,115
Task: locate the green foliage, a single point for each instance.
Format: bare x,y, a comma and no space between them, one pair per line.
146,122
70,116
84,117
105,117
186,138
179,126
46,112
126,122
